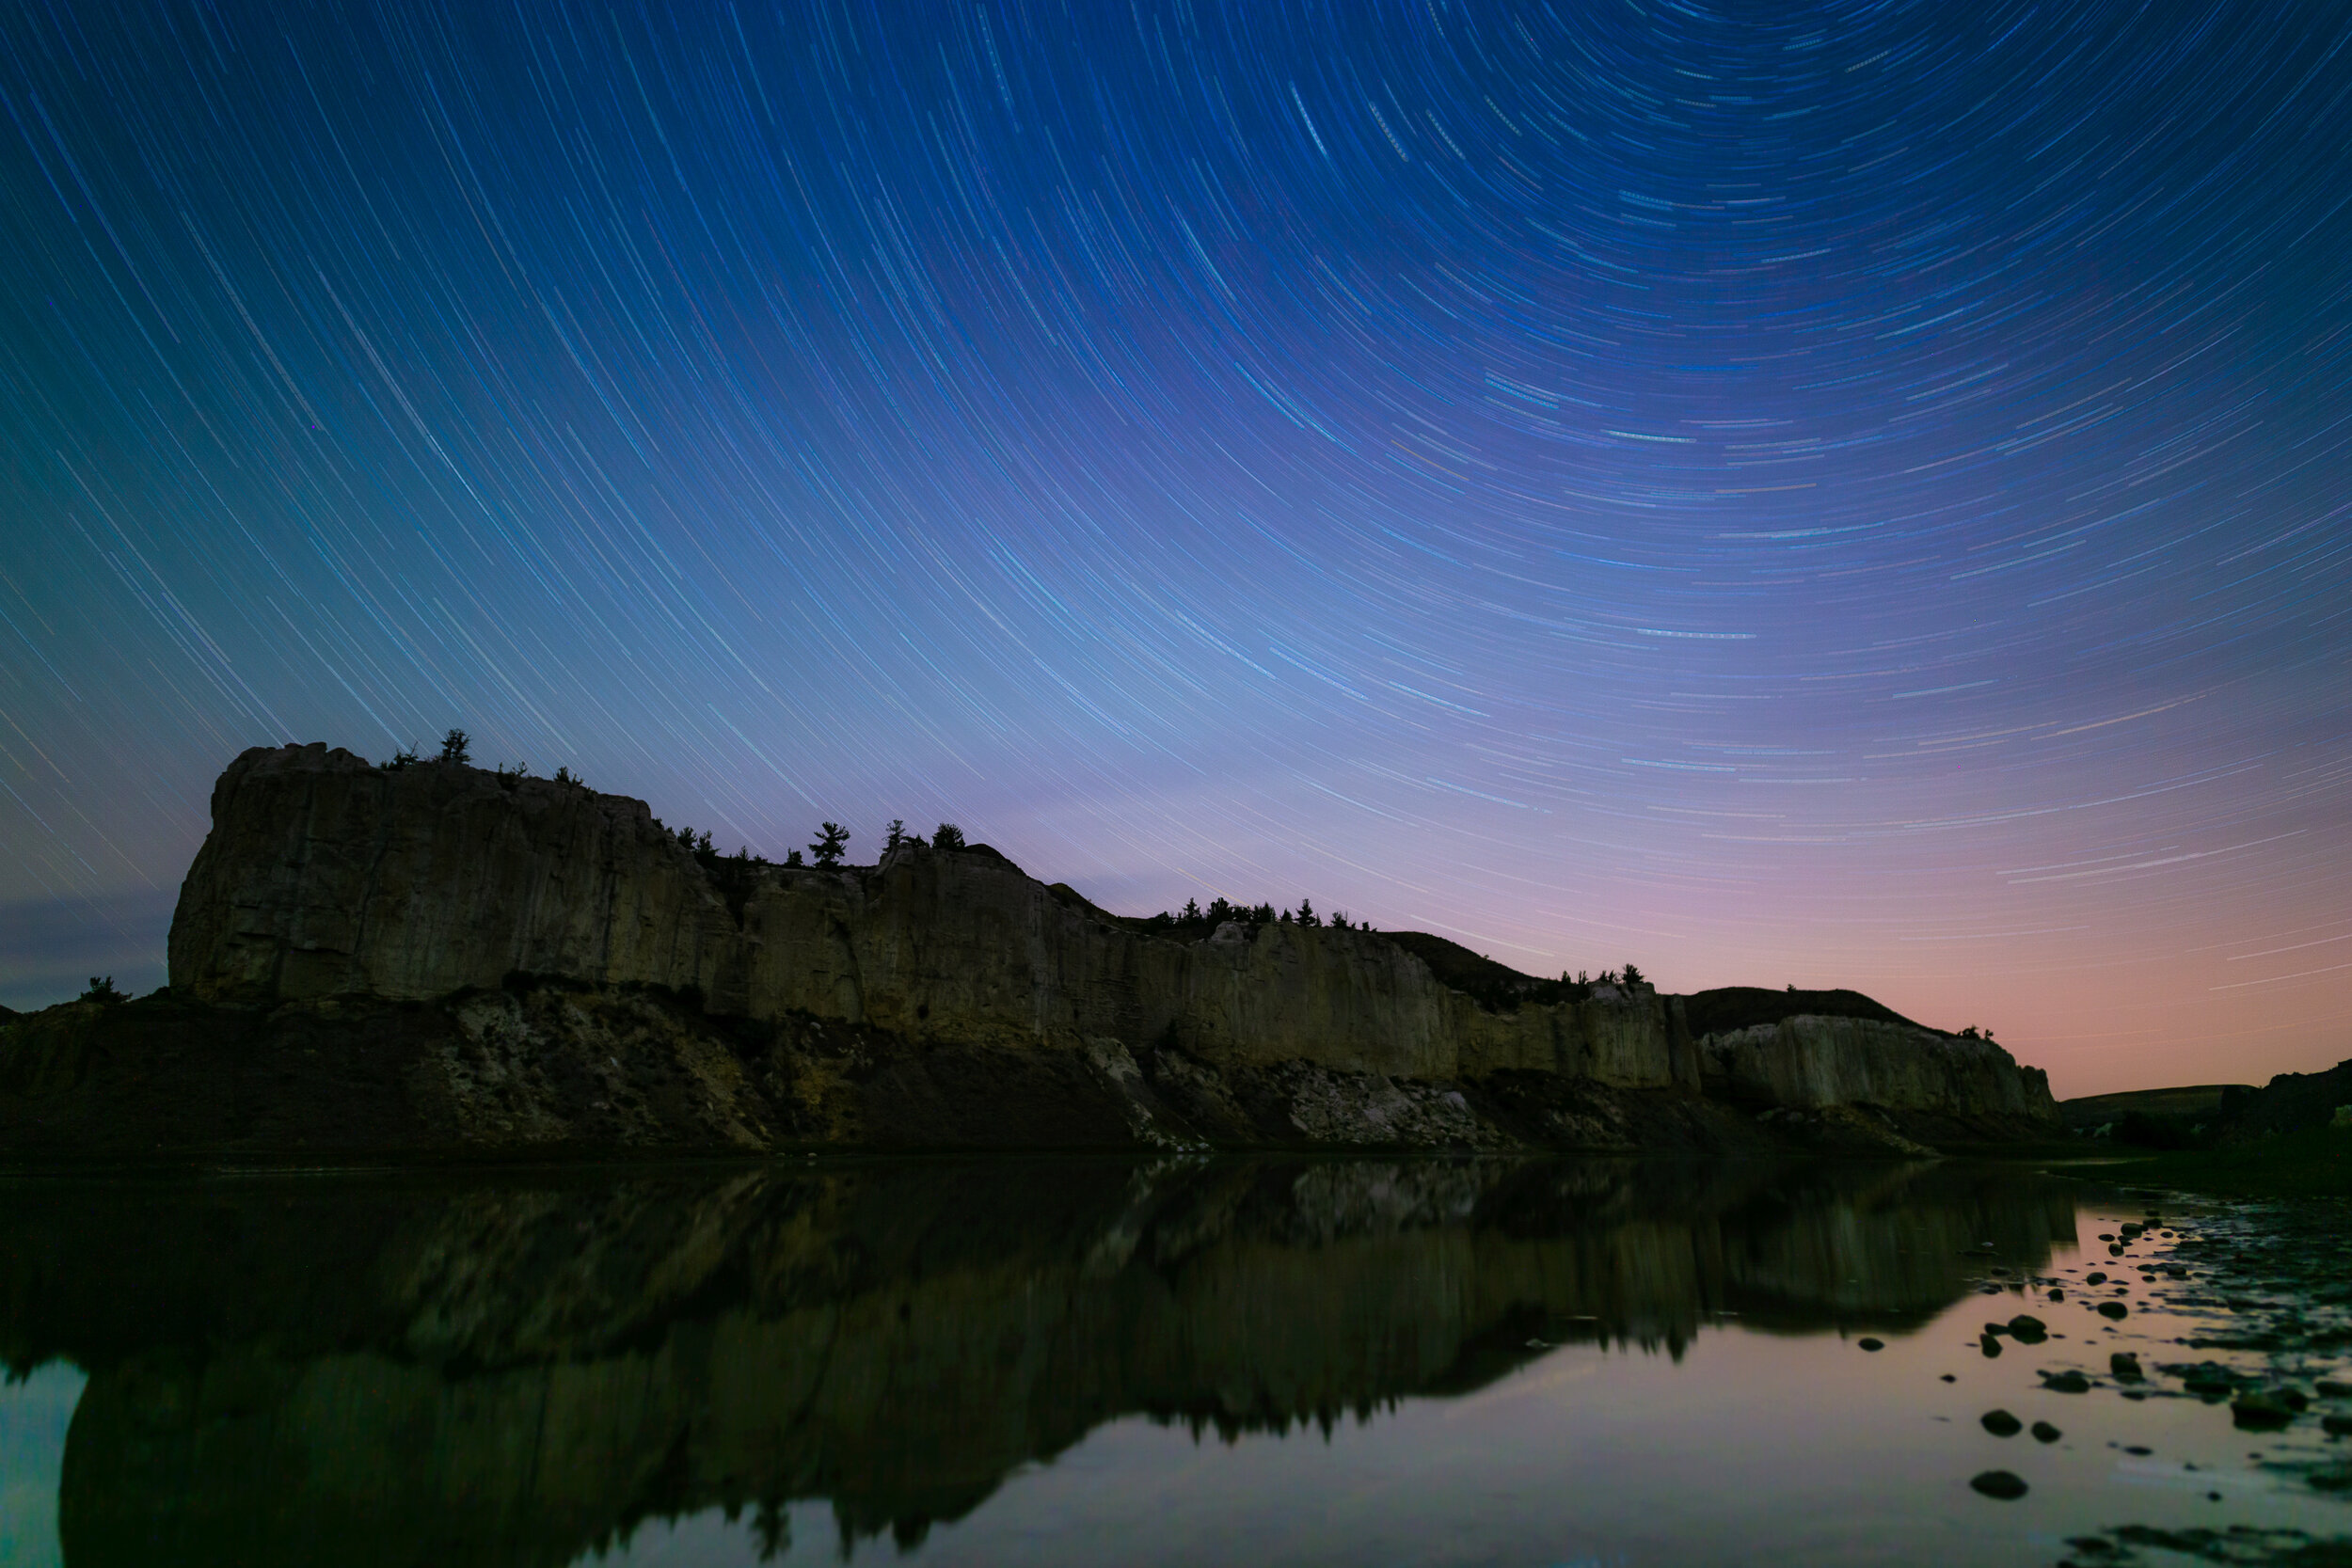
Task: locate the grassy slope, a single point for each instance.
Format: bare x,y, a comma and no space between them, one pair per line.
2190,1099
2315,1163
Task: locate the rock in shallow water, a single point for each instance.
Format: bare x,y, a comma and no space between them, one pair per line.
1999,1483
2260,1412
1867,1342
2045,1433
2000,1423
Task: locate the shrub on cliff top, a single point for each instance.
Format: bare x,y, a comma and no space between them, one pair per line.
949,836
830,838
101,989
455,748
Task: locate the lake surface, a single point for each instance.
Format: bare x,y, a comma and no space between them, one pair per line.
1061,1361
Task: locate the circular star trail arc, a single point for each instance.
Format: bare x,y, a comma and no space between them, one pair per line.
1845,494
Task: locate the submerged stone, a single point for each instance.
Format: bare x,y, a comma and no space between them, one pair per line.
2260,1412
1999,1483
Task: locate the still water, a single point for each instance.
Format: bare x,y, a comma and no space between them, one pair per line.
1055,1361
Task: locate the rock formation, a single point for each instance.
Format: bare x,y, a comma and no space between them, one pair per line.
436,957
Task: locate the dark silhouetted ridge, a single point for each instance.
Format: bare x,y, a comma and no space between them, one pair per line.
1497,985
1728,1008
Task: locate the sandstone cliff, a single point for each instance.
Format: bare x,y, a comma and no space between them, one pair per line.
1805,1062
440,957
325,877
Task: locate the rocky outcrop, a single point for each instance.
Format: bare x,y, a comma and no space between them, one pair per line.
493,963
325,877
2290,1103
1808,1062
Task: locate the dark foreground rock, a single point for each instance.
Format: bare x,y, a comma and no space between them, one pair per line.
544,1072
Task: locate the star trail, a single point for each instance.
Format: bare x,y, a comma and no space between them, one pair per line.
1839,494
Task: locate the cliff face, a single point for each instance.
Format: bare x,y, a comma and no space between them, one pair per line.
1807,1061
539,965
327,878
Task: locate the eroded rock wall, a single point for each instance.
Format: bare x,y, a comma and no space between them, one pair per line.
1813,1062
324,876
970,1002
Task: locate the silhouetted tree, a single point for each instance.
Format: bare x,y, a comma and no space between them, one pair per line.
897,835
831,837
1633,976
455,749
564,775
103,990
948,836
1262,914
1192,912
1307,915
686,839
702,844
1219,910
793,858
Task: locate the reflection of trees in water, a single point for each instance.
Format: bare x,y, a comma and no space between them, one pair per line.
520,1370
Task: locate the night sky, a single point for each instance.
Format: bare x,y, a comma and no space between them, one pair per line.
1848,494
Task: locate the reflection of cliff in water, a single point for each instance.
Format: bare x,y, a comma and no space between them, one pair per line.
517,1371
